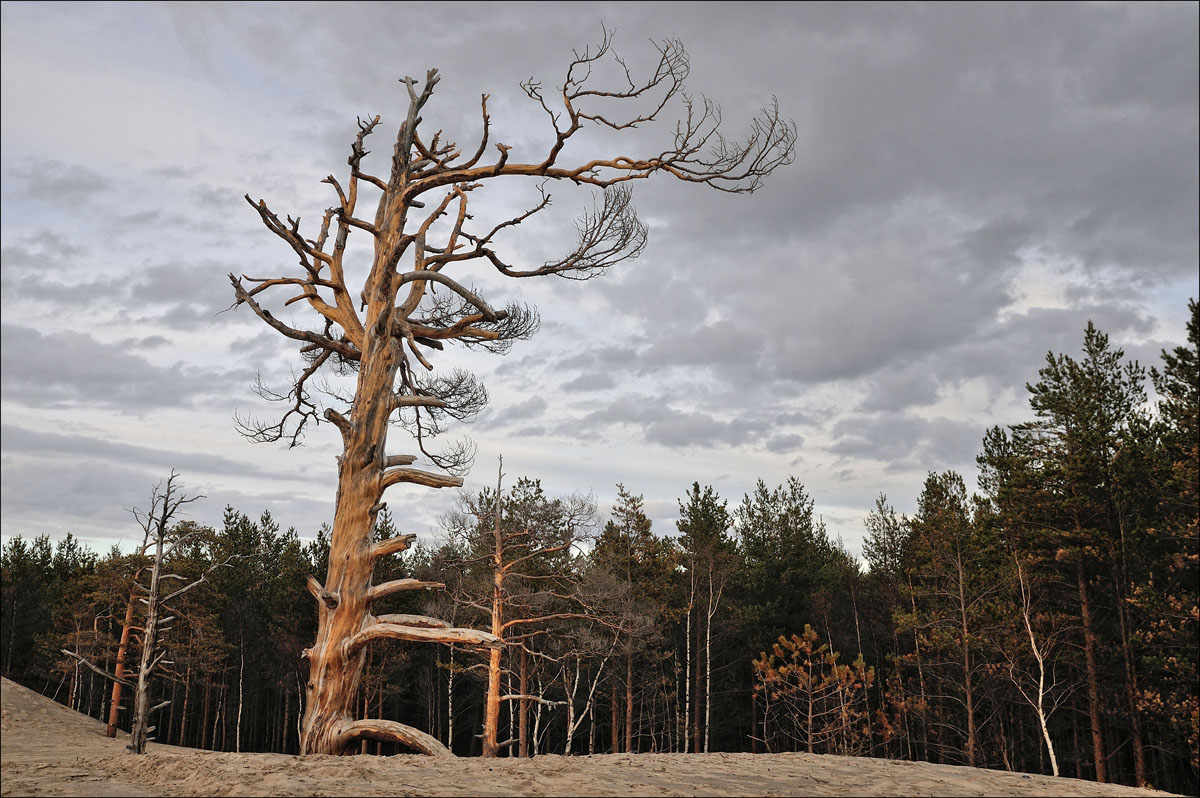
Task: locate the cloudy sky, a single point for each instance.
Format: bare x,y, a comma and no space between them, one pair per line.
972,183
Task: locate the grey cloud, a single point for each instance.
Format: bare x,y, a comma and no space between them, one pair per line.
517,365
37,246
660,423
911,385
589,382
783,444
263,346
55,182
19,440
792,417
531,408
942,159
19,283
173,172
202,282
1008,354
593,358
54,497
181,295
535,431
69,369
57,484
149,342
905,441
699,430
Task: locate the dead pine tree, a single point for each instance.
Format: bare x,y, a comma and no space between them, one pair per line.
127,627
155,522
527,542
381,332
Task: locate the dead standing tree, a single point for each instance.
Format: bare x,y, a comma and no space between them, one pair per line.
155,523
384,330
528,543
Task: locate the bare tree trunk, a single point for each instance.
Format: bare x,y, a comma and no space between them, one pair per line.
810,695
141,713
71,692
569,687
696,697
1039,655
287,716
1076,758
1139,752
687,668
450,704
708,675
223,716
1093,679
753,721
379,711
491,722
920,674
345,624
119,671
241,688
523,721
299,709
187,691
629,703
616,740
966,663
537,716
204,723
714,601
171,720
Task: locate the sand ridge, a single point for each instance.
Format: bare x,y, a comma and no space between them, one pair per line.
47,749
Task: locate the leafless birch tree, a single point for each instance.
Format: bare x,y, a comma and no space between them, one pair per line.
1039,682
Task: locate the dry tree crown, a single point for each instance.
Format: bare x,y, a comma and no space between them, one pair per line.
422,234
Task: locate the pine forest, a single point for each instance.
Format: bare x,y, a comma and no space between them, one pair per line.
1044,623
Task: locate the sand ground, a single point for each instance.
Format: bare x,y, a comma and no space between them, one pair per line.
47,749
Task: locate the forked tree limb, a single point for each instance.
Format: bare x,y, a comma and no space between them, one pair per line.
243,297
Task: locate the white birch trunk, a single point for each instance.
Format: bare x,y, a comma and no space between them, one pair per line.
241,685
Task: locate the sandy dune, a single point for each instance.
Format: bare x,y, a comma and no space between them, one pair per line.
47,749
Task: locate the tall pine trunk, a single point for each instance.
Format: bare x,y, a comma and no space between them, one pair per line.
122,652
1093,679
629,703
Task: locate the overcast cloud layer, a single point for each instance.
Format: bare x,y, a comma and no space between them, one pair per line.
972,184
